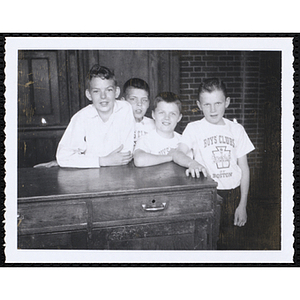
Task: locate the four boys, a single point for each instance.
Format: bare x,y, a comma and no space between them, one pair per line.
104,134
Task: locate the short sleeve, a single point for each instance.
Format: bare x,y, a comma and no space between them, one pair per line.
142,144
244,144
187,137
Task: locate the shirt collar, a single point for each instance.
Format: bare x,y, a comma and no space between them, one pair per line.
94,112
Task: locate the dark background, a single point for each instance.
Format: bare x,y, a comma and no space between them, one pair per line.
51,86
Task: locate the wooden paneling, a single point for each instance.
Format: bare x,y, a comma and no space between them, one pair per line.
163,71
41,86
24,105
126,64
37,146
63,87
163,68
153,74
93,57
38,96
73,83
83,69
174,72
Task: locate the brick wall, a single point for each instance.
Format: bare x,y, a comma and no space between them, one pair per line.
244,74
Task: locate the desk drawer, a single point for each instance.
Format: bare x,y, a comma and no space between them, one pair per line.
51,217
151,205
54,240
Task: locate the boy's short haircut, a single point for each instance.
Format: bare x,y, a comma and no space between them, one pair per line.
101,72
212,84
136,83
168,97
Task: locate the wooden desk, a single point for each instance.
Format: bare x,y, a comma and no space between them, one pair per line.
116,208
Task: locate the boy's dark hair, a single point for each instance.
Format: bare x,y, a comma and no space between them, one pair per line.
101,72
168,97
136,83
212,84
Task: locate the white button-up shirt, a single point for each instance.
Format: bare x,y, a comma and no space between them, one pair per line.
87,137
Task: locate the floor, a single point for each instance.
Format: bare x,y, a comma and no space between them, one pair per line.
262,231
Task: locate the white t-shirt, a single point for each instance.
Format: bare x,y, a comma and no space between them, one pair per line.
155,144
87,137
143,127
217,148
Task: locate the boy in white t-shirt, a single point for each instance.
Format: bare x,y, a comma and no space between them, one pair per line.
157,146
220,149
136,91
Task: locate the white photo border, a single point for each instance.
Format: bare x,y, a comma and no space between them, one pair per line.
283,44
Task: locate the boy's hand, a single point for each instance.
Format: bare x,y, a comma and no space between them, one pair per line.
240,216
50,164
195,169
116,158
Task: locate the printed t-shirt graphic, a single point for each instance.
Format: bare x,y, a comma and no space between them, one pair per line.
143,127
217,148
155,144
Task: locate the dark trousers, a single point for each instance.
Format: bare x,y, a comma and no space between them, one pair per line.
230,236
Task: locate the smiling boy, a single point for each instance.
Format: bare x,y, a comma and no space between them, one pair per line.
157,146
101,134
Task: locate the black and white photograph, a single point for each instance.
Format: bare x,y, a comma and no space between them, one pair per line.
149,150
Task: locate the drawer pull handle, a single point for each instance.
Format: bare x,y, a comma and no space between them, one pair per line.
155,208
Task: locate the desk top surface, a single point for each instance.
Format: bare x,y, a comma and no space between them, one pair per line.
53,183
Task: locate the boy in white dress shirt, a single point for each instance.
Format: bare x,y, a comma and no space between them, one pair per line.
102,133
157,146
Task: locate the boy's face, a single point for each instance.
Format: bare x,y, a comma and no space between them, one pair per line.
139,100
166,116
213,106
103,93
